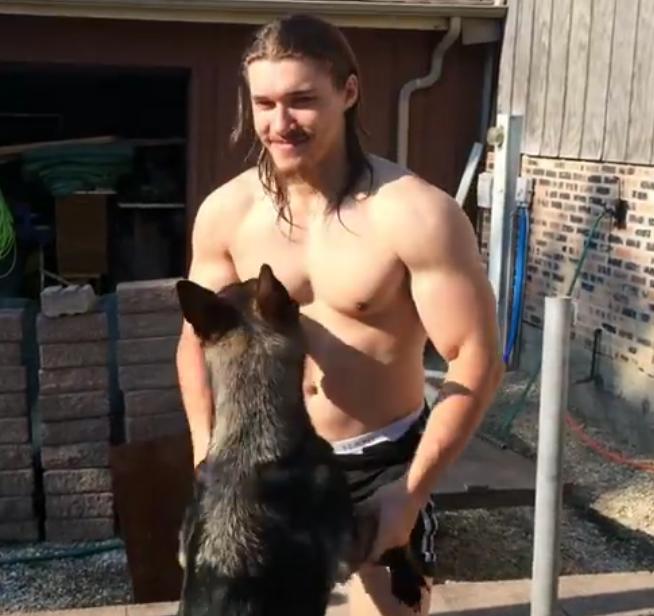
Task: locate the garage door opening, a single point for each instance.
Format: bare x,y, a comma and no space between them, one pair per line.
93,175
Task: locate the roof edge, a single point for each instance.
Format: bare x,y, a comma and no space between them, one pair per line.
376,13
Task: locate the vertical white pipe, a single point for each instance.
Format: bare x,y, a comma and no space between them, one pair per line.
418,84
549,479
506,168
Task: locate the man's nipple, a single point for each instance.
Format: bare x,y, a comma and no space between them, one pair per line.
311,389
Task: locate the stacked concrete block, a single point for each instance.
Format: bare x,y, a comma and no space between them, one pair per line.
149,323
74,412
18,521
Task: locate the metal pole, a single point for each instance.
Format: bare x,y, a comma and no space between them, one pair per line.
549,480
506,138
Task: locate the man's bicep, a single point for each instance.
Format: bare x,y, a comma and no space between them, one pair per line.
449,284
214,272
211,265
456,307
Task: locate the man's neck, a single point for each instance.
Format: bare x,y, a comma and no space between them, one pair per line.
318,187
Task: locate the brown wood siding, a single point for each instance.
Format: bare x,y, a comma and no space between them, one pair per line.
444,119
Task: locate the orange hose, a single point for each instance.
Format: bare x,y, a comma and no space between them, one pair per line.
603,451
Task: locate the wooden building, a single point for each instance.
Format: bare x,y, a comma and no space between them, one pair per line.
198,44
165,71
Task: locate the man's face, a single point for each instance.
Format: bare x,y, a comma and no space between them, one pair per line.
298,113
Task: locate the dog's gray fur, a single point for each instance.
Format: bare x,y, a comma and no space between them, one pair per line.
254,352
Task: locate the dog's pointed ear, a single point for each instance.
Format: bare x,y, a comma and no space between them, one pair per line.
209,315
273,301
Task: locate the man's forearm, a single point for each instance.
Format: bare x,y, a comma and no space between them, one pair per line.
196,394
466,394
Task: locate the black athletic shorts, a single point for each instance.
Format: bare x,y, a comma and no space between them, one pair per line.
378,458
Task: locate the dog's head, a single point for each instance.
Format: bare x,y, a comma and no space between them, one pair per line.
254,314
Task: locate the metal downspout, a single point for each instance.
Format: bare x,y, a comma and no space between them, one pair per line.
421,83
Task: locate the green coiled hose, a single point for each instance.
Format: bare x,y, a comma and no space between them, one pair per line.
7,236
512,412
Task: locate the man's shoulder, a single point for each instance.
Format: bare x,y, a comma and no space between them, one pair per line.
233,197
420,220
222,211
402,197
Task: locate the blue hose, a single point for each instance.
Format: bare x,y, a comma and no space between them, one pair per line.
509,416
518,282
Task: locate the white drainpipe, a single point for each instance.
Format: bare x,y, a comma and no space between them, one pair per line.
420,83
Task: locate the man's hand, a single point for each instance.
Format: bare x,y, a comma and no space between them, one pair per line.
397,512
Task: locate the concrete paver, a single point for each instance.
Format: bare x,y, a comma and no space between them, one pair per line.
612,594
623,594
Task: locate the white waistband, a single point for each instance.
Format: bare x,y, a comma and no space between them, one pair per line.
391,432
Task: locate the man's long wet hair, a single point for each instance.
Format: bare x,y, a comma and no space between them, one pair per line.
303,36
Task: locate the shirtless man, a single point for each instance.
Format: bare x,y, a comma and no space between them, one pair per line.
379,260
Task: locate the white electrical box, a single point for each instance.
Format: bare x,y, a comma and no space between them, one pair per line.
485,190
524,190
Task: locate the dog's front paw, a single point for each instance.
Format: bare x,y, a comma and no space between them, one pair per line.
181,549
407,582
344,572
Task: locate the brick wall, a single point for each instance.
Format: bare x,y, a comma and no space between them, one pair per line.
615,292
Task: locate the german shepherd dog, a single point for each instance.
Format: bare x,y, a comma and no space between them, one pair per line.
271,528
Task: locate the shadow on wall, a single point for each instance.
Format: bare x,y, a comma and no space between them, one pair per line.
630,419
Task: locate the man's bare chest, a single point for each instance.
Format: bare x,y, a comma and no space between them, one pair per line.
348,267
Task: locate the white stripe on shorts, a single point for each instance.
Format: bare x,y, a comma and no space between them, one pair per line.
430,523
